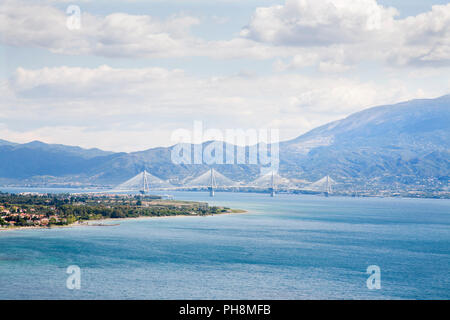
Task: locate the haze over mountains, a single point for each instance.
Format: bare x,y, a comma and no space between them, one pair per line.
406,144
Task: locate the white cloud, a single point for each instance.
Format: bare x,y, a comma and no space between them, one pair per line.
118,35
129,109
361,30
106,107
332,35
426,38
114,35
312,23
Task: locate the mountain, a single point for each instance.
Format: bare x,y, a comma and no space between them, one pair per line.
406,141
424,122
158,162
6,143
405,144
22,161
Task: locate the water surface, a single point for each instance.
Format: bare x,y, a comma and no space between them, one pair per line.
287,247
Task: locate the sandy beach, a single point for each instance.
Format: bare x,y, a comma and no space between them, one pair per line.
101,222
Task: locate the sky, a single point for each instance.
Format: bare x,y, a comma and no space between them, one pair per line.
125,75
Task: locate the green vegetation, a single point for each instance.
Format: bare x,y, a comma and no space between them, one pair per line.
49,209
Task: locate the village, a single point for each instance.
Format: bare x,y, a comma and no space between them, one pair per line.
47,210
29,214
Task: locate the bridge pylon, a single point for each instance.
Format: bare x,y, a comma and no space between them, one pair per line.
272,186
213,184
328,189
145,188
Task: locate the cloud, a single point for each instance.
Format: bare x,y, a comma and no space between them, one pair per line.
426,38
333,35
114,35
316,23
125,109
360,30
106,107
117,35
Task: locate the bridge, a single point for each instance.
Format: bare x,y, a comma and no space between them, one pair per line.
212,180
142,183
323,185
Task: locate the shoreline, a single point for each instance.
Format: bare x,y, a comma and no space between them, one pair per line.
344,195
98,223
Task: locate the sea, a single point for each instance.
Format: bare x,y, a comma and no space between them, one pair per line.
286,247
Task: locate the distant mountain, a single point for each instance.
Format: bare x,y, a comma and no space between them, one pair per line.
407,144
158,162
22,161
409,140
59,148
6,143
418,122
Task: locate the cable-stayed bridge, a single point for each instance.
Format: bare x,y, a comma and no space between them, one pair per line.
210,177
212,180
143,182
272,179
323,185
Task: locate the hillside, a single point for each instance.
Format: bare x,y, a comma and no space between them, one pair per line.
406,145
407,141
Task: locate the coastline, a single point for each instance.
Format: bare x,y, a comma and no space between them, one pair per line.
99,223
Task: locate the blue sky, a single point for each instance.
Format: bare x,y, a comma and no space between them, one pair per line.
138,70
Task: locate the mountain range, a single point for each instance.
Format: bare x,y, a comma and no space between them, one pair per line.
406,144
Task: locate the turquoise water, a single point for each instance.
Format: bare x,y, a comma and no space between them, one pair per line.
288,247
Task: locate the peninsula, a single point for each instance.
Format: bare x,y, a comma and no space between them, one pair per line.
46,210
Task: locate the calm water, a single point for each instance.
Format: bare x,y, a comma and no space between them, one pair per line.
289,247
